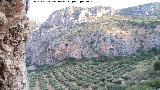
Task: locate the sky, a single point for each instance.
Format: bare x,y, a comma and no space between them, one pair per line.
40,11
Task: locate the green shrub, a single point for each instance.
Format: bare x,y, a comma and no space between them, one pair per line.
125,77
156,66
139,88
43,83
95,87
151,83
118,82
67,83
155,50
101,84
70,60
79,83
53,82
131,82
85,84
74,87
31,88
159,58
103,88
103,58
115,87
60,87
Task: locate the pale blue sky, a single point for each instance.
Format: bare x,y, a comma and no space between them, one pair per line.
41,10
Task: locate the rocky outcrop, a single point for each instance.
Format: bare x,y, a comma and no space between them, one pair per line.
71,16
151,9
13,26
90,32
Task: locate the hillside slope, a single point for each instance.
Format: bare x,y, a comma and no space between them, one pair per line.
92,32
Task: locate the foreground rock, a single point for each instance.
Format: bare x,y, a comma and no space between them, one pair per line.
13,26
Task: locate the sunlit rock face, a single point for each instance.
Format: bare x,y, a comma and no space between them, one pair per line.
71,16
91,32
13,26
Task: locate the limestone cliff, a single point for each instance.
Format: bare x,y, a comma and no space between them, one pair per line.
91,32
13,26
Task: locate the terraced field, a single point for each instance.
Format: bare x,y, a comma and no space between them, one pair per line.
86,75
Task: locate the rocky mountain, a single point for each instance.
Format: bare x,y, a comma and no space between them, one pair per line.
151,9
71,16
92,32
